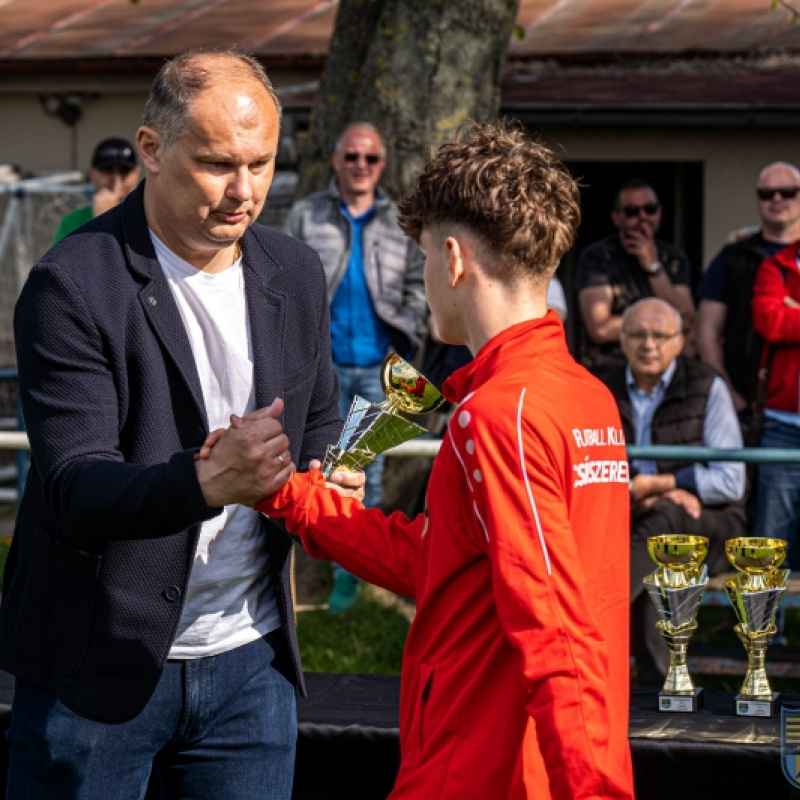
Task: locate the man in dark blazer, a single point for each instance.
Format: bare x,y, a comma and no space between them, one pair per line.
146,609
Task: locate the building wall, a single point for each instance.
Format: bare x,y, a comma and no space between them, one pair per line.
731,157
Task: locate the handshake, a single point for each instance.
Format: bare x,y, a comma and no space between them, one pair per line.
250,460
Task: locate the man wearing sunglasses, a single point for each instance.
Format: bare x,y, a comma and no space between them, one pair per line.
665,398
624,267
725,336
114,174
375,285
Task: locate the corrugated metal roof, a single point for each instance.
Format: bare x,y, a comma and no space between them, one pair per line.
86,29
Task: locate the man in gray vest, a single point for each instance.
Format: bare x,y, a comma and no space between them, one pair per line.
375,285
667,399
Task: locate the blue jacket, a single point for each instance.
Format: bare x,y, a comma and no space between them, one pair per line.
108,522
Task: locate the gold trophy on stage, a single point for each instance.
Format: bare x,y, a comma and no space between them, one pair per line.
372,428
676,589
756,593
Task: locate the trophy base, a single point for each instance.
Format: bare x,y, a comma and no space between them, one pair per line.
680,703
756,708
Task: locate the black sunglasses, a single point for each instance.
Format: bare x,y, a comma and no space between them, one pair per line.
648,208
370,158
786,192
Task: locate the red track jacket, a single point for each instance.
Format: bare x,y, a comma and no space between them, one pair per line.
779,277
515,673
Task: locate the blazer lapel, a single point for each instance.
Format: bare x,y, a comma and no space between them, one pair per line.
156,298
266,309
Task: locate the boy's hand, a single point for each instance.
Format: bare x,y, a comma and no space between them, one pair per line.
345,481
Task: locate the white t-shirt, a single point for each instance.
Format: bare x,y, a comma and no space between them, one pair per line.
230,600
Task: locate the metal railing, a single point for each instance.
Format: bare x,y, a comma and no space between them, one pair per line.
750,455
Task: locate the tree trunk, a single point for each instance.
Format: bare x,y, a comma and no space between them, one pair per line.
416,69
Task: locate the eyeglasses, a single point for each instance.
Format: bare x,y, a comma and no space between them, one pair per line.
786,193
659,337
370,158
632,211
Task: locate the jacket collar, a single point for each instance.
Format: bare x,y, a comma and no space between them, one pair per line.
530,339
381,198
787,258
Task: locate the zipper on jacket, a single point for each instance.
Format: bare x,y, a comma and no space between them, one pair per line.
376,258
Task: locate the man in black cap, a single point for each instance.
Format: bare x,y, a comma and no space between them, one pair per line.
114,174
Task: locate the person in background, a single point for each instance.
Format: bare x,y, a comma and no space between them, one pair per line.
375,286
515,672
776,318
725,336
665,398
624,267
114,174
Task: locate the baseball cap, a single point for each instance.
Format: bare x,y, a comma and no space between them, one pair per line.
114,153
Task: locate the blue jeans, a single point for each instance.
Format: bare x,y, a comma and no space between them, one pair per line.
364,381
778,498
218,727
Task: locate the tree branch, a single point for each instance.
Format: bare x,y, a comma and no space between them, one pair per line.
795,12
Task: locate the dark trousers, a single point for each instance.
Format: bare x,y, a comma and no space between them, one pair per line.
647,645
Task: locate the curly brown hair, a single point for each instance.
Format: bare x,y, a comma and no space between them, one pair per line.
512,193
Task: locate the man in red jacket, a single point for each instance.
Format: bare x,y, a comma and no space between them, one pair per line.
515,674
776,317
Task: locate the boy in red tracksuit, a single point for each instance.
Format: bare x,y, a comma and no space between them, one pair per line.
515,673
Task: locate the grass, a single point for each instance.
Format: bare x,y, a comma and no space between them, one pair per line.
367,639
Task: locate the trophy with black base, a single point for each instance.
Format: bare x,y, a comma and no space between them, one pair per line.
372,428
676,589
756,593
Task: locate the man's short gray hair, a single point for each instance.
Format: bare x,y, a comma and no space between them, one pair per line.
675,312
367,126
183,78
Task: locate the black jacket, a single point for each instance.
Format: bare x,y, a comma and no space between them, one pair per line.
108,522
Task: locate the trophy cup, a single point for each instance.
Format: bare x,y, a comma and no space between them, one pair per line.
676,588
371,428
756,593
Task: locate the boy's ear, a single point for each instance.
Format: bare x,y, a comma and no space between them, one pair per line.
455,260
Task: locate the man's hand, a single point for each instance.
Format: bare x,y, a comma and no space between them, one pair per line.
790,302
648,486
247,462
641,244
345,481
680,497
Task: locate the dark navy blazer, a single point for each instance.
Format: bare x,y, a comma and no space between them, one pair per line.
108,523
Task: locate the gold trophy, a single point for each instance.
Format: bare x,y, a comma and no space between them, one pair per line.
676,589
756,593
372,428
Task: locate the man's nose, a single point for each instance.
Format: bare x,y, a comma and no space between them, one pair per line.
241,184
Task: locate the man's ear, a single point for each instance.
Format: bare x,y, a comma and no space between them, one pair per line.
150,147
455,260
